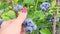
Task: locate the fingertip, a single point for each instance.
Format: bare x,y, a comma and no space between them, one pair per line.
24,10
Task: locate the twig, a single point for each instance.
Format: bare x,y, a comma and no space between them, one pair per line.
54,23
12,3
55,19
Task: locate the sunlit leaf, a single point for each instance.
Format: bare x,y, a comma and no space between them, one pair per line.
15,1
53,4
11,14
45,31
5,17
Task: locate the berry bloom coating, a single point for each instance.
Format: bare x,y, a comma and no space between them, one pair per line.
45,6
16,8
28,29
29,25
19,7
34,27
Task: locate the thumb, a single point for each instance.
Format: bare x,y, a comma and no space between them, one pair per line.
22,16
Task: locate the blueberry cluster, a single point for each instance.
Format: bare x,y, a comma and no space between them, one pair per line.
29,25
51,18
1,20
45,6
18,7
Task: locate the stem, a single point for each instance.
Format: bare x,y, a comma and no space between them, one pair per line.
16,13
54,23
36,5
12,3
55,19
28,8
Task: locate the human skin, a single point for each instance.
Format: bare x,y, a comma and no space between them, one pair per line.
14,26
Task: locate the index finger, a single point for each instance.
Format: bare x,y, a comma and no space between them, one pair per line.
22,16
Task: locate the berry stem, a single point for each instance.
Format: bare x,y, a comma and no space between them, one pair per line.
16,13
12,3
28,9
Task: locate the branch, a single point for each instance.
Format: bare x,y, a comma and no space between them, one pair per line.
55,19
54,23
12,3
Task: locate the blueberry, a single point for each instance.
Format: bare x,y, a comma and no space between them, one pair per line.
29,22
16,8
45,6
29,25
51,19
24,24
28,29
43,9
19,7
34,27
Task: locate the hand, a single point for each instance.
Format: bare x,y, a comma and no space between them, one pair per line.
14,26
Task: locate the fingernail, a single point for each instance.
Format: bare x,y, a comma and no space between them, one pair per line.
24,10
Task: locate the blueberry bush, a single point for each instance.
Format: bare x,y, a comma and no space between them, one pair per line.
40,14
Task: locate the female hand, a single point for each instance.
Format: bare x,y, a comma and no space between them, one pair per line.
14,26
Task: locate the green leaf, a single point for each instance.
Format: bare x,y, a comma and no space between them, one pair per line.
50,12
11,14
29,2
53,4
30,15
4,5
41,0
15,1
5,17
45,31
39,14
